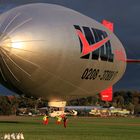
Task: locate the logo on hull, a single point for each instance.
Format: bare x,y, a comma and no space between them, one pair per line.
94,44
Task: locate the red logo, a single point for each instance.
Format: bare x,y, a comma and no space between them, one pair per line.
90,48
94,44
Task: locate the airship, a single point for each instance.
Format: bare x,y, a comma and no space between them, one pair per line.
56,53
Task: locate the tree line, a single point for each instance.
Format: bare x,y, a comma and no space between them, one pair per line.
121,99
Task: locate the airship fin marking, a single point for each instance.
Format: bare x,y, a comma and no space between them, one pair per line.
107,94
108,25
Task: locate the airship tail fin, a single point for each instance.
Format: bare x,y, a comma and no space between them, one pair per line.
109,25
107,94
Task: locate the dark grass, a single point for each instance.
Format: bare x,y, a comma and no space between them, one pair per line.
78,128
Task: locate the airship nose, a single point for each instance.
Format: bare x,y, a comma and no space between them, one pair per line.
13,67
5,42
6,69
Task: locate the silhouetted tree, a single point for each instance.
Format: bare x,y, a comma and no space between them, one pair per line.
5,106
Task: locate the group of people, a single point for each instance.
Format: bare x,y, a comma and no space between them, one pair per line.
58,121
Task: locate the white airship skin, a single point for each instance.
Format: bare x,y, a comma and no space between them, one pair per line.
49,51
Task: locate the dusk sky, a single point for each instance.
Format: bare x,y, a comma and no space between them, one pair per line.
124,14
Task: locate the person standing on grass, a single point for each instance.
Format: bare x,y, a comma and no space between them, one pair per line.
65,119
59,119
45,119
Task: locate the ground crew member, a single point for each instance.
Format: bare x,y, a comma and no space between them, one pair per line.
59,119
45,119
65,119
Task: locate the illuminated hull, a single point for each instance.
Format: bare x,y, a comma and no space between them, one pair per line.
41,53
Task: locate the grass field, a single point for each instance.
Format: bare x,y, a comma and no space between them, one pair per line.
78,128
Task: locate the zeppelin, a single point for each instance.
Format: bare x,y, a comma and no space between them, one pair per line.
56,53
